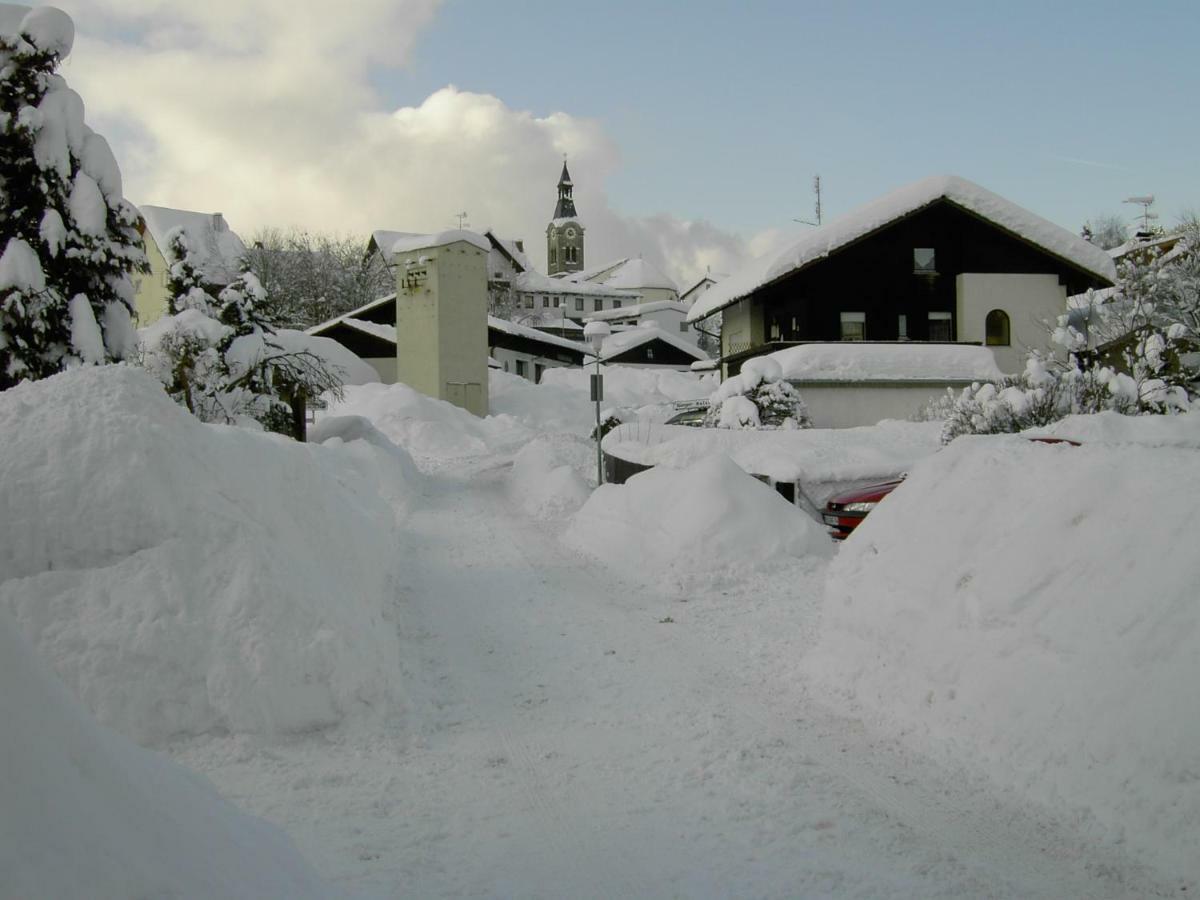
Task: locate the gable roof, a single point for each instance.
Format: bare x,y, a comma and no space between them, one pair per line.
389,243
509,250
899,204
216,250
531,280
636,310
628,274
623,341
706,278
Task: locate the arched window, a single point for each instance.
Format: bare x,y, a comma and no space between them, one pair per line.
997,329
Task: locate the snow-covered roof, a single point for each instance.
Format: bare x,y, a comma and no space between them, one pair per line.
706,279
534,334
354,313
852,361
563,220
637,310
375,329
594,272
531,281
412,242
1164,243
623,341
216,249
869,218
509,248
638,274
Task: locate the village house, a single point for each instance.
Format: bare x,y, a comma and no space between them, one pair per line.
941,261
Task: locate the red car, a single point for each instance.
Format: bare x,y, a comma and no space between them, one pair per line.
845,511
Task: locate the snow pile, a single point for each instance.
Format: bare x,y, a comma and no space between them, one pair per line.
708,524
185,578
810,455
84,813
429,429
1029,607
1114,428
870,217
553,475
377,458
887,362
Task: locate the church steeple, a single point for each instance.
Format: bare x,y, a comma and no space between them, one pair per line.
565,208
564,234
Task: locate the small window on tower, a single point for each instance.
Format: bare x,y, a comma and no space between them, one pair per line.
553,257
924,261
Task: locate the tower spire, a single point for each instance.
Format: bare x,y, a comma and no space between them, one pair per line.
565,208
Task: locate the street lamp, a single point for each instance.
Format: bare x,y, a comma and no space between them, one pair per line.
595,333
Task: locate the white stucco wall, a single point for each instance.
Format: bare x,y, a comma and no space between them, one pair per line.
1031,302
851,404
150,288
386,367
441,324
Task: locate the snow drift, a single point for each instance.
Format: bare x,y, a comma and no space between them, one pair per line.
184,578
709,523
1032,608
84,813
553,475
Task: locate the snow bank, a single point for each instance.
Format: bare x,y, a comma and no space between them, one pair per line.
553,475
185,578
84,813
427,428
377,458
1032,608
810,456
708,524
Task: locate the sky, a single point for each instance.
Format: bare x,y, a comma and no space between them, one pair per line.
693,129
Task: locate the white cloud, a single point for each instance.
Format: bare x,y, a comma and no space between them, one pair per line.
264,111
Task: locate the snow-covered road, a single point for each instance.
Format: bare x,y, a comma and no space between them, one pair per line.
575,735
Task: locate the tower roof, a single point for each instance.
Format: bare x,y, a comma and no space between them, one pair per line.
565,178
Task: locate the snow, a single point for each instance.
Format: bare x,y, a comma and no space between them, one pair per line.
811,456
97,160
48,28
535,334
86,340
52,231
531,281
185,579
249,349
20,268
849,361
638,274
637,310
84,813
707,524
410,242
89,210
623,341
62,129
552,476
1027,607
864,220
216,250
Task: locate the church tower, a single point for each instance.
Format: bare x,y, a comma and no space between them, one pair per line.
564,234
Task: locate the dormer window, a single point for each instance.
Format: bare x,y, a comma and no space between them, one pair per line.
924,261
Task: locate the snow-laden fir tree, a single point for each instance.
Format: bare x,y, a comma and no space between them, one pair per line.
223,358
758,397
69,239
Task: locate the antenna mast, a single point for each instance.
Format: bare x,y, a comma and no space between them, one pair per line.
817,208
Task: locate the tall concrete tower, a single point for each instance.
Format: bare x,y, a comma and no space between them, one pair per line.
441,317
564,234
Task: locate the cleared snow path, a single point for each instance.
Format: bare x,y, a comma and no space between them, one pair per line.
565,742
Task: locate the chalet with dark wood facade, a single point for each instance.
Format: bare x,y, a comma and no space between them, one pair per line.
942,260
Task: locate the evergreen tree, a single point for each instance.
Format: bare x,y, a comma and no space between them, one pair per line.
69,238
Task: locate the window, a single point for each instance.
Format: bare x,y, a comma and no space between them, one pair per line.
616,304
556,303
545,301
902,327
924,261
939,327
649,353
578,304
553,256
529,301
538,369
506,365
683,326
598,304
997,329
521,367
854,326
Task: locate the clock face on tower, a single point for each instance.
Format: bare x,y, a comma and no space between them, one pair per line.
570,232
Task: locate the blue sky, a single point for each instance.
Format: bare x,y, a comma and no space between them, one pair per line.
724,111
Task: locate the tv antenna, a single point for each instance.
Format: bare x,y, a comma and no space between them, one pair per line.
817,208
462,220
1145,202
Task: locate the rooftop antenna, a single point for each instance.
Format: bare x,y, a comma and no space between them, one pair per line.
817,207
462,220
1145,202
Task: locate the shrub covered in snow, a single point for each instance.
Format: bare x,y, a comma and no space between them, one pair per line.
68,238
185,578
222,357
757,398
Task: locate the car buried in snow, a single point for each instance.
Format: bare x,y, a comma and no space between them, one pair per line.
844,512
